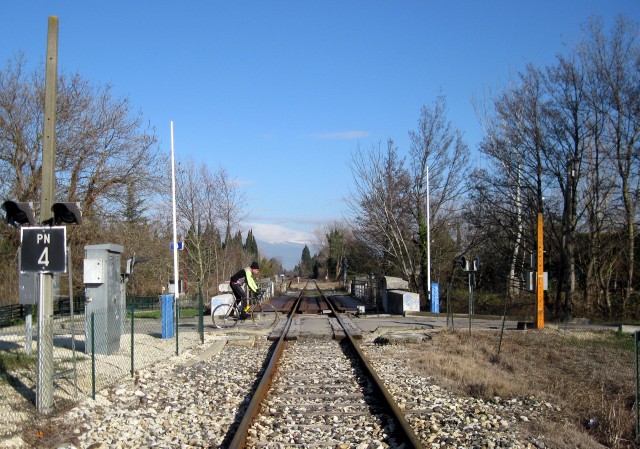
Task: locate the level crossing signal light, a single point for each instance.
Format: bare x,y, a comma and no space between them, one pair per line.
469,265
66,213
18,214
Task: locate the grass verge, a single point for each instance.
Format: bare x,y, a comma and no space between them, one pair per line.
588,375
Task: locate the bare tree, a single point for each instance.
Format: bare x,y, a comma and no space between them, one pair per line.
507,196
381,207
103,151
208,205
570,133
615,61
230,203
148,242
193,208
437,151
497,200
602,215
20,132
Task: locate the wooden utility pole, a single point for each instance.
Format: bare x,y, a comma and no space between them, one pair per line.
44,393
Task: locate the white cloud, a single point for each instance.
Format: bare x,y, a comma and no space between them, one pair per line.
341,135
272,233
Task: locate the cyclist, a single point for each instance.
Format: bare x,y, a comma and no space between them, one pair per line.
237,280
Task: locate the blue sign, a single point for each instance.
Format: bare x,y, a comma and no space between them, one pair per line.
435,297
180,246
167,316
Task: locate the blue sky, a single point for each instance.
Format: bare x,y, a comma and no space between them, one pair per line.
282,92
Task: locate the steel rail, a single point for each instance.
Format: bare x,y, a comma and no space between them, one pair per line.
405,430
240,437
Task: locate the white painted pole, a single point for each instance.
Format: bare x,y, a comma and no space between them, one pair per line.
428,242
175,231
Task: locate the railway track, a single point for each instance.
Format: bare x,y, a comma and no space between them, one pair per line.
241,393
321,393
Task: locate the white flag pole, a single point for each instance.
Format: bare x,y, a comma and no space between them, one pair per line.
176,284
428,242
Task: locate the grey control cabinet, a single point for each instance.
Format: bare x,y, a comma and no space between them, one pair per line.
104,299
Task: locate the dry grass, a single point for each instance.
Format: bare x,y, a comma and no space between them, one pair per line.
588,375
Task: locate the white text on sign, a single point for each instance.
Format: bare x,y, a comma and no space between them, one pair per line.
43,249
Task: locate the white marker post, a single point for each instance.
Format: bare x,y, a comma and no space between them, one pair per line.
429,299
176,284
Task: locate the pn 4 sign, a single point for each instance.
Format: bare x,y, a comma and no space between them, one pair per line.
44,249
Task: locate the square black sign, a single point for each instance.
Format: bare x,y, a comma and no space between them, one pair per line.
44,249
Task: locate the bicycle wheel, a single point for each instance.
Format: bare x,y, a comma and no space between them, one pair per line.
224,316
264,315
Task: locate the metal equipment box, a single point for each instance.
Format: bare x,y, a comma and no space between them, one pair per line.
105,302
400,301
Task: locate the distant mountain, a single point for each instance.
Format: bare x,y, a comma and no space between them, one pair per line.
289,253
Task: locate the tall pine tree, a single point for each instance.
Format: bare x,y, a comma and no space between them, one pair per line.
251,246
306,264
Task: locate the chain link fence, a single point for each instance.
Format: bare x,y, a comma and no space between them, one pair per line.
90,352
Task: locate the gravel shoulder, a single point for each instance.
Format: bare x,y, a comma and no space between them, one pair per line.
193,400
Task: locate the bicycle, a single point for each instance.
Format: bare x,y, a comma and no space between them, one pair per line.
262,313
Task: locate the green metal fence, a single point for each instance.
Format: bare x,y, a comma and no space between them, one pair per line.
89,354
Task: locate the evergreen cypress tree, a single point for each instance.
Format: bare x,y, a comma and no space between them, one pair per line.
306,265
251,246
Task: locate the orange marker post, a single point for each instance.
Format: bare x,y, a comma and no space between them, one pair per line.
540,275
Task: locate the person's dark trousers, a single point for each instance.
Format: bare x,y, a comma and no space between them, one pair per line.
239,294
